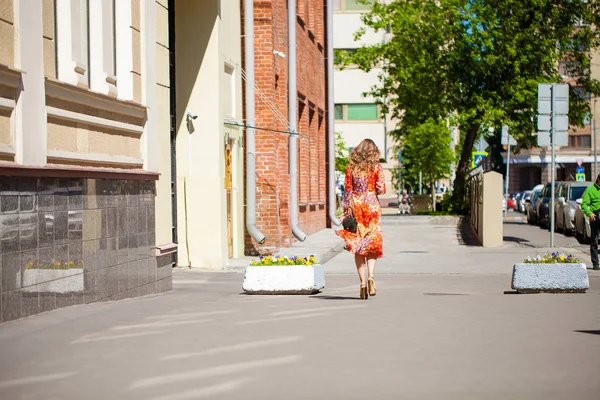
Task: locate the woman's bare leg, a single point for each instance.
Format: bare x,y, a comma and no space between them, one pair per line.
360,267
371,261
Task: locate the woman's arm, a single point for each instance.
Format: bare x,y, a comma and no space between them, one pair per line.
346,201
380,185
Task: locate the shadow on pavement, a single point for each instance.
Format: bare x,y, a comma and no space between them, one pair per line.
590,332
515,239
334,298
466,235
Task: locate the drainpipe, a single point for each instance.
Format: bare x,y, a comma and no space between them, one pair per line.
293,101
330,118
250,122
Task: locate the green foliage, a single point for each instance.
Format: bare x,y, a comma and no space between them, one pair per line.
276,260
478,61
452,206
427,149
552,258
341,153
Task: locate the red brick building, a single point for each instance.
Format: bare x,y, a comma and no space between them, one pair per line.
271,77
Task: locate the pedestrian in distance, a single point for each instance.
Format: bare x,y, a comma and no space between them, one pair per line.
361,216
590,205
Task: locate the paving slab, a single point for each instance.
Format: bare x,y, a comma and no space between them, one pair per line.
445,324
421,337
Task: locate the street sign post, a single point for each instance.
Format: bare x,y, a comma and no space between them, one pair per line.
507,140
553,123
477,156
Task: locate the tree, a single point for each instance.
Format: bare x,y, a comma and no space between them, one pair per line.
427,149
479,62
341,153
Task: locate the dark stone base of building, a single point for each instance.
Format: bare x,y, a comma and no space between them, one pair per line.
69,241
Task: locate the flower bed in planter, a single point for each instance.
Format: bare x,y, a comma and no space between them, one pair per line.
284,275
553,273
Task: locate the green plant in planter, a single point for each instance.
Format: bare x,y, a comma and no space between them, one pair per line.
71,264
552,258
278,260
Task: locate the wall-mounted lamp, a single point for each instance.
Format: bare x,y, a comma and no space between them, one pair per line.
189,117
279,53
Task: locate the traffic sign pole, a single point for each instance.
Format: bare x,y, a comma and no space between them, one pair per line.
507,178
552,139
553,125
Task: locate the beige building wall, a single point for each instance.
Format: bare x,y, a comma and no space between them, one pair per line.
164,220
7,33
208,39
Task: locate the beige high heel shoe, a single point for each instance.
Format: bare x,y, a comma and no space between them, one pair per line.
364,295
372,288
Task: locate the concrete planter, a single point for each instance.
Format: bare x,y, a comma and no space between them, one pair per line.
53,280
288,279
553,278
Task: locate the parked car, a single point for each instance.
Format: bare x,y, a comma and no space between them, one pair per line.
530,205
526,196
566,197
543,205
517,199
583,231
510,202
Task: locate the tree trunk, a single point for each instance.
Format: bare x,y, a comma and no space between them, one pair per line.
464,164
432,186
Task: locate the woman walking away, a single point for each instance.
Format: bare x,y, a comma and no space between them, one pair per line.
364,182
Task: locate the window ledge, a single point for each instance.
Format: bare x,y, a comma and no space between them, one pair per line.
85,97
165,249
10,77
95,159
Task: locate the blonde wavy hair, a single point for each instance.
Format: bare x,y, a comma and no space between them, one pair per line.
364,158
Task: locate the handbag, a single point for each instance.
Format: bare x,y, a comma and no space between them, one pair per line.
349,224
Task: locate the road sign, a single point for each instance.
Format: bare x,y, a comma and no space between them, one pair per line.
545,122
506,138
580,177
561,98
553,104
477,157
579,170
579,161
561,139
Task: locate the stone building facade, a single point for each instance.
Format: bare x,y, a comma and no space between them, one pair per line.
82,182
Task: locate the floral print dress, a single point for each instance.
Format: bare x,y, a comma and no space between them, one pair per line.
360,200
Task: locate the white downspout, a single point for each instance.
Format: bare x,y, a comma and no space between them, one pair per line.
292,111
330,117
250,122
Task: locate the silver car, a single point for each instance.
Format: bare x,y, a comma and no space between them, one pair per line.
566,205
583,231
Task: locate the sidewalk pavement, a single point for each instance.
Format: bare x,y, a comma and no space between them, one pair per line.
444,325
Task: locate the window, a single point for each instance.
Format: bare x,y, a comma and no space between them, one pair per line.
577,192
86,43
580,141
339,53
357,112
569,68
339,111
581,93
587,120
351,5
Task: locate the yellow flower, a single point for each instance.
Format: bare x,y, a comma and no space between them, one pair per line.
57,263
562,258
308,263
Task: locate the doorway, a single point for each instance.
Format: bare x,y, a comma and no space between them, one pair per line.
229,195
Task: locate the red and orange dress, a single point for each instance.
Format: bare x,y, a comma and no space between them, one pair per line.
360,199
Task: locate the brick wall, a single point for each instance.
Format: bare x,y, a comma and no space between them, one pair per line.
272,175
